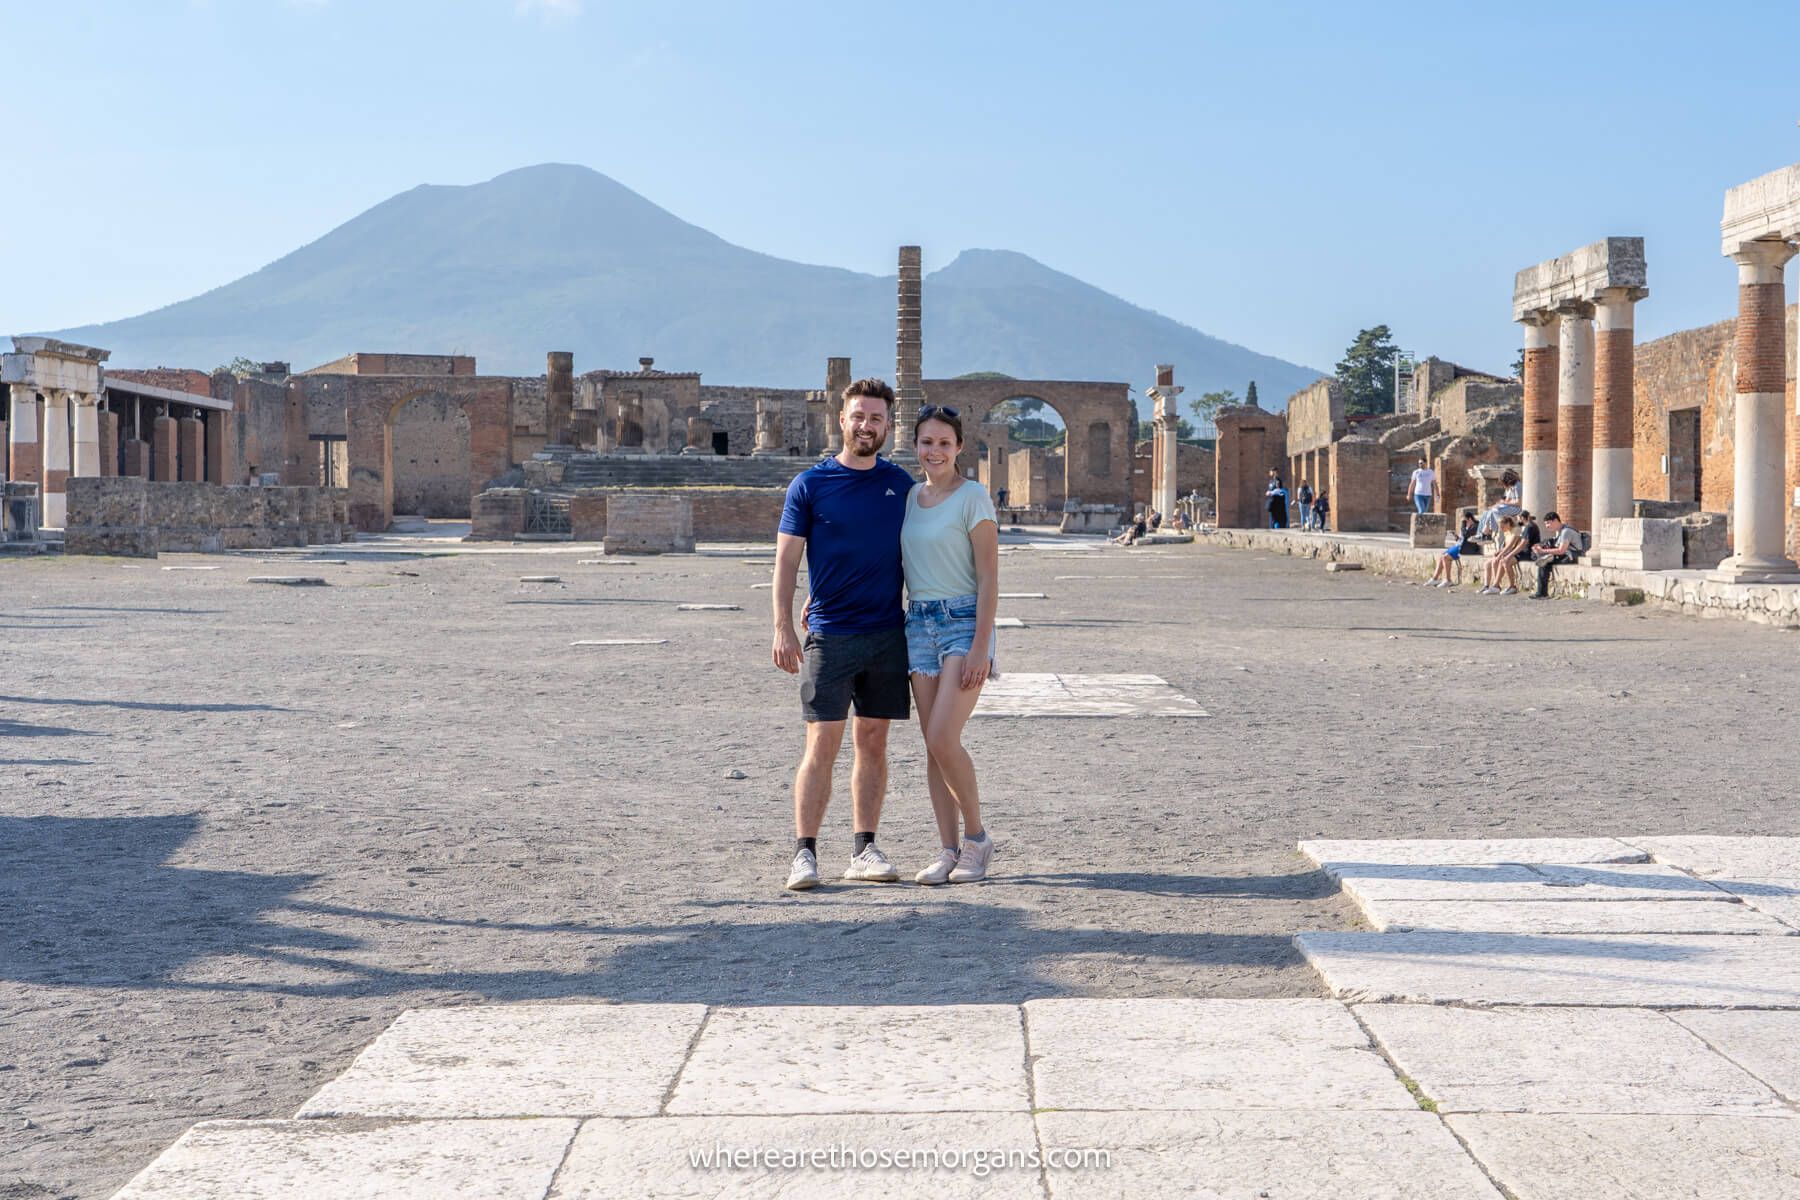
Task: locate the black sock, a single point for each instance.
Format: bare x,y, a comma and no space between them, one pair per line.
806,844
863,842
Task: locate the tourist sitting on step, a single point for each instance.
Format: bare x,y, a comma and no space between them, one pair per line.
1505,563
1563,548
1132,532
1507,507
1448,570
1154,521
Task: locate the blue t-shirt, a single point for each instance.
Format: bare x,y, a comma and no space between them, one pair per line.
851,522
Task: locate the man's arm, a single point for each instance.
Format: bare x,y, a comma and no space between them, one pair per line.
785,650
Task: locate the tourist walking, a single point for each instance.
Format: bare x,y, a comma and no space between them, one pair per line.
1423,488
844,514
1322,511
950,548
1303,496
1276,498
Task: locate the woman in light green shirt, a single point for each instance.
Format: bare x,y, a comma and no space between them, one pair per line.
950,550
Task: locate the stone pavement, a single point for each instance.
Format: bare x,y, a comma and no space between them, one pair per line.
1645,1063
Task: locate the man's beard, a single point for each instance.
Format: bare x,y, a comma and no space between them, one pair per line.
864,446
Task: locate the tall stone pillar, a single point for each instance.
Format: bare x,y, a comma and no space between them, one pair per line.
559,395
163,455
1759,485
1165,454
192,449
86,460
23,450
109,442
837,378
1537,484
1614,351
1575,414
909,388
768,428
56,458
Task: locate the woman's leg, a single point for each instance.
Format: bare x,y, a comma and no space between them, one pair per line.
943,804
943,726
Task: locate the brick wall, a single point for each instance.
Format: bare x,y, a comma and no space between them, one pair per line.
133,517
180,379
720,514
431,457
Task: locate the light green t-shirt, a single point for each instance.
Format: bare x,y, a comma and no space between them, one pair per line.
935,550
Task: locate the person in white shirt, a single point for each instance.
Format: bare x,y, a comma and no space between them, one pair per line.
1424,487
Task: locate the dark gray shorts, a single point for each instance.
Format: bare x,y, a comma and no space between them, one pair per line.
867,668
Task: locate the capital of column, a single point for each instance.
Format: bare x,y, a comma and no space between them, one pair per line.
1571,311
1540,330
23,393
1762,262
1614,307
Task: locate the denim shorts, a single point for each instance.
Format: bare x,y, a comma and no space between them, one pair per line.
936,629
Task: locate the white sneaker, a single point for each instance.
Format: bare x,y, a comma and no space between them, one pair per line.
804,874
972,862
938,871
871,866
1488,590
1511,591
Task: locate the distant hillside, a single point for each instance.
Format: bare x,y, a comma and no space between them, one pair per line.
560,257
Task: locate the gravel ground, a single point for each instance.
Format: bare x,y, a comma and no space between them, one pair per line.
243,827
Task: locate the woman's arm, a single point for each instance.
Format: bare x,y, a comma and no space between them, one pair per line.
985,539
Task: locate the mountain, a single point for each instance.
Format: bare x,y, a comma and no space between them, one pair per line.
558,257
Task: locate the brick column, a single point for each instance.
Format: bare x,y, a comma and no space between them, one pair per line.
559,396
192,450
109,442
23,450
909,389
1759,484
837,378
221,466
1613,354
1537,487
1575,415
56,459
162,449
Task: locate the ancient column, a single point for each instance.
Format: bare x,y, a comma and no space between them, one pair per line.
1537,485
86,459
630,436
837,378
768,428
1164,458
1759,486
192,436
163,455
56,458
22,437
909,389
559,395
699,436
1575,414
109,442
1613,354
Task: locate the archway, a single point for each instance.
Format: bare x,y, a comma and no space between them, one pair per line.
1098,418
429,451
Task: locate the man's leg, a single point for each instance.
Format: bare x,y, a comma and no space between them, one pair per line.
812,782
1545,566
868,773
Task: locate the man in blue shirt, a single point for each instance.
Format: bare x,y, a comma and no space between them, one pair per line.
844,514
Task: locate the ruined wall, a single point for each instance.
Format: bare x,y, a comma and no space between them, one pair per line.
431,457
180,379
1194,469
720,514
134,517
733,412
266,429
1315,417
396,364
1466,407
531,415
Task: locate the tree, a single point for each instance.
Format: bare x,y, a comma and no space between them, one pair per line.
1250,394
1367,372
240,366
1207,405
1519,364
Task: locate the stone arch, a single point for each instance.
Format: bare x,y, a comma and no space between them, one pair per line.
370,405
428,445
1081,405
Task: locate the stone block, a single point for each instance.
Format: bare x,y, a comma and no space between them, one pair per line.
1767,1044
557,1060
497,515
809,1059
1713,856
1517,881
1472,851
1640,544
1664,510
1339,567
1562,1060
640,524
114,541
1430,531
587,514
1704,542
1189,1055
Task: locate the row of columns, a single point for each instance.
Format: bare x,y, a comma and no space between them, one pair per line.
1578,408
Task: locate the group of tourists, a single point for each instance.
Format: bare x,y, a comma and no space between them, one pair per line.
1516,536
1313,507
868,533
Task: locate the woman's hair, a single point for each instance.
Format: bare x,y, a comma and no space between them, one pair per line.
1508,523
932,412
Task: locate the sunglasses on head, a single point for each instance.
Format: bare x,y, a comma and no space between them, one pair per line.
937,410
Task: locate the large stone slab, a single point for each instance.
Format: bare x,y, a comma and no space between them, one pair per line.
1778,898
393,1160
1734,857
1025,694
891,1058
1473,851
1549,1060
1293,1155
1570,916
1648,970
517,1060
1205,1054
1560,1157
979,1154
1767,1044
1521,881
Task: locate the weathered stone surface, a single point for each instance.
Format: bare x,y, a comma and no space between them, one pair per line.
1518,881
1429,531
1732,857
1560,1157
1767,1044
1639,544
1336,567
1549,1060
395,1160
644,524
1205,1054
655,1159
1647,970
517,1060
1025,694
1570,916
899,1058
1580,275
1240,1155
1473,851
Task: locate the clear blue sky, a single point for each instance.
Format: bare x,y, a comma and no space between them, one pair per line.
1275,174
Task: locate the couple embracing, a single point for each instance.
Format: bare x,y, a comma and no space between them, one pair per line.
866,530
